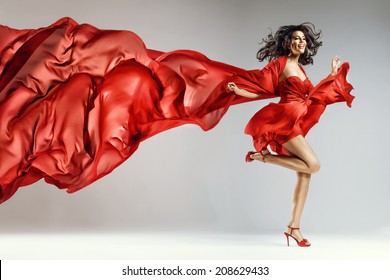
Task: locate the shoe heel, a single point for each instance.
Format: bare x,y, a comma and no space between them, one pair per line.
288,240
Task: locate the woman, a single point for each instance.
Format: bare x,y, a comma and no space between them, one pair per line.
283,126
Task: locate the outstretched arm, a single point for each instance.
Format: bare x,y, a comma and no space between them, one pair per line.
242,92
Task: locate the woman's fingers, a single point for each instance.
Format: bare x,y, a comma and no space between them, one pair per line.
336,62
231,86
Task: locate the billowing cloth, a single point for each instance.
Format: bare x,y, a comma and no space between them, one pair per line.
76,101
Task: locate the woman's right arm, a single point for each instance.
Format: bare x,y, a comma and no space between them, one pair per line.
242,92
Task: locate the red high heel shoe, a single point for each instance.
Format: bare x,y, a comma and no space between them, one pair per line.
248,156
303,243
263,154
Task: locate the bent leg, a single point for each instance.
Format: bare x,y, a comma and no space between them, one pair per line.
302,158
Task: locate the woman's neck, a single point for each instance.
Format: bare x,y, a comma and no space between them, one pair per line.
294,58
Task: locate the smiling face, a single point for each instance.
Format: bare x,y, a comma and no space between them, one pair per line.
297,44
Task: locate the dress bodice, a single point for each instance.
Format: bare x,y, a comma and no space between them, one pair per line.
294,89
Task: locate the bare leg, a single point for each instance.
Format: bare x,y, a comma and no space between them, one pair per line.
304,161
302,158
299,199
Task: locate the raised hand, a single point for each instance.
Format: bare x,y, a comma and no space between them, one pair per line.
336,62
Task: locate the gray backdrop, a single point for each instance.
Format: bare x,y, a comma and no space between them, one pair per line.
186,179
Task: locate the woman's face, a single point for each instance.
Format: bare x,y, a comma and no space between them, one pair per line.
297,43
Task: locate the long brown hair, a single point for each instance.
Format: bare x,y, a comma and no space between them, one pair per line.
277,45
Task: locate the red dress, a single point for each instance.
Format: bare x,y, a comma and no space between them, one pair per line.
76,101
300,107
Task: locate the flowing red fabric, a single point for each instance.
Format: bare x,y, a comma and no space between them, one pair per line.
76,101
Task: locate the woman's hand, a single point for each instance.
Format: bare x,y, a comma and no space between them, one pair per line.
336,62
232,87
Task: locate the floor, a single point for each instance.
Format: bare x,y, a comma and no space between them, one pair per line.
184,246
108,256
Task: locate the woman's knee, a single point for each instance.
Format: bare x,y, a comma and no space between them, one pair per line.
314,165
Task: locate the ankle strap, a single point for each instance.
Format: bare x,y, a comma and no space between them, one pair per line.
263,156
293,228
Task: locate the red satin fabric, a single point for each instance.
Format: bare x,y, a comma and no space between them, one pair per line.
76,101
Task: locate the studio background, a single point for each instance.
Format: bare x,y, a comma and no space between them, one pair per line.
189,180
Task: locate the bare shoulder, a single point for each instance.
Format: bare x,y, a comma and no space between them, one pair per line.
292,69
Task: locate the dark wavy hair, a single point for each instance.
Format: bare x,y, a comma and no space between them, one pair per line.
277,45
